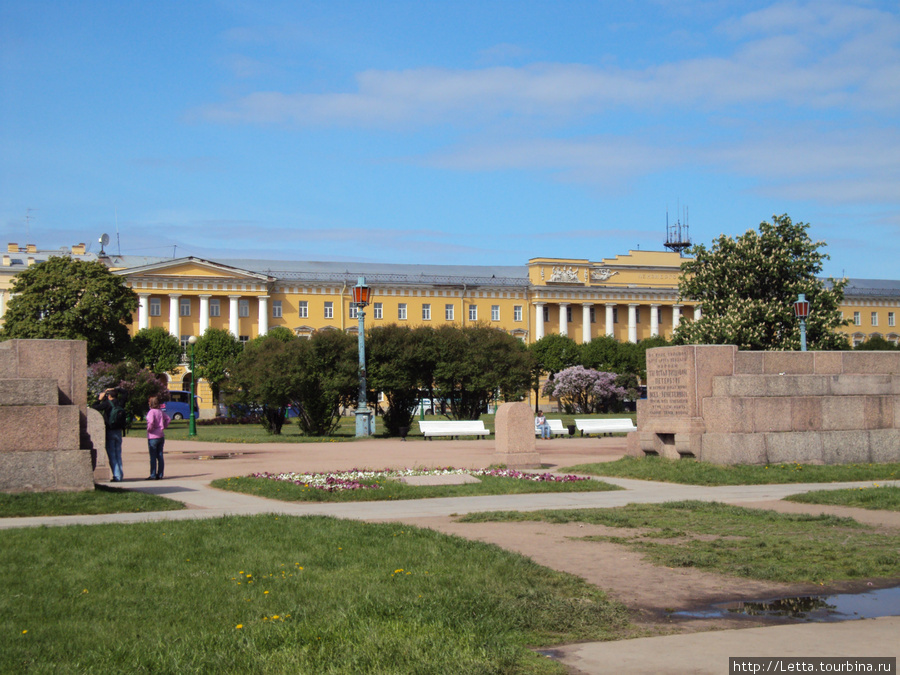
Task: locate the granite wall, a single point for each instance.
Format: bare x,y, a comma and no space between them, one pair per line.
721,405
44,441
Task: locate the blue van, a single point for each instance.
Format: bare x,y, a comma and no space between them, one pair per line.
177,405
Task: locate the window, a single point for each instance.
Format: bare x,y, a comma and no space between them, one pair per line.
426,312
401,311
546,314
303,309
495,312
329,310
378,310
857,319
637,314
517,313
244,339
569,314
473,312
276,309
154,306
354,311
891,319
184,307
448,312
593,316
874,318
658,315
185,347
243,308
214,308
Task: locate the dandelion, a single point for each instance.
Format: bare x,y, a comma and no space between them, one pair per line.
24,631
239,626
265,592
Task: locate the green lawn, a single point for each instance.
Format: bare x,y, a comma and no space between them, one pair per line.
268,594
100,500
692,472
389,489
290,433
737,541
878,497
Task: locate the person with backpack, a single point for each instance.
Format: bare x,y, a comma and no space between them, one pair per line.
110,405
157,422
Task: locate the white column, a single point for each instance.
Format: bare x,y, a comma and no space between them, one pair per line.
654,320
563,318
539,320
143,311
697,313
586,321
610,319
204,314
263,314
233,319
676,316
174,318
632,323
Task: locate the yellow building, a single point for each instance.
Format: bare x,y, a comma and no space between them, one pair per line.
630,297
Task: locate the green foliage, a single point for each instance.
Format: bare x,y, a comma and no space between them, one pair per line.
134,383
876,343
328,378
747,287
214,352
476,364
279,333
101,499
396,365
156,349
607,354
65,299
875,497
554,352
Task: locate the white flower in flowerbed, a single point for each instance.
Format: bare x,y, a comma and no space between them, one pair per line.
366,479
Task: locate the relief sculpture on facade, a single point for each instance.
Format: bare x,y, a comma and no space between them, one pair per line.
565,275
601,273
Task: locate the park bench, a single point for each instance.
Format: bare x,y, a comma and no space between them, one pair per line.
453,428
607,426
556,427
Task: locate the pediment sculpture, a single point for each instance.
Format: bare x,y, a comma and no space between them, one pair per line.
566,275
601,273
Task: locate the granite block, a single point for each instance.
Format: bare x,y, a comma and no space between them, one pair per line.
799,447
733,449
806,413
845,447
514,440
789,363
871,363
72,469
843,412
28,391
828,363
63,360
28,428
748,363
860,385
879,412
26,471
884,445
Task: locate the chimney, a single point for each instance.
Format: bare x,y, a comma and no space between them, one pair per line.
30,260
30,248
78,249
7,261
12,248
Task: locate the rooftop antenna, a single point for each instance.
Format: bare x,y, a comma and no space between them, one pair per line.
118,243
104,240
678,236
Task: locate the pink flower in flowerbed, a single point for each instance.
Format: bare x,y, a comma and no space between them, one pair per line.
365,479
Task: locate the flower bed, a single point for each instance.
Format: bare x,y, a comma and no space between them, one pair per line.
365,479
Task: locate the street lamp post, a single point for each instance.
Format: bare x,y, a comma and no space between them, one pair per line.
801,311
192,425
365,423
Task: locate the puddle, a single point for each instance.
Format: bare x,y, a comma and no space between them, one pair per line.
838,607
221,455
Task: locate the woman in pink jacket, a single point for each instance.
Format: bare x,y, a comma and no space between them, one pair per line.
157,421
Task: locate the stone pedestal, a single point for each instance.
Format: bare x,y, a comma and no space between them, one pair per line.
44,444
514,441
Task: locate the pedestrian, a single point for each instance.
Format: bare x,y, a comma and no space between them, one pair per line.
541,423
110,404
157,422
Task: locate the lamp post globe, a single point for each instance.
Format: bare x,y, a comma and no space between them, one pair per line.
192,424
365,421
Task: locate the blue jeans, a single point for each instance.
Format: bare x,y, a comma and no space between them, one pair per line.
157,464
114,452
545,430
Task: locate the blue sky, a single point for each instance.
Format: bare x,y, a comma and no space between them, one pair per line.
449,132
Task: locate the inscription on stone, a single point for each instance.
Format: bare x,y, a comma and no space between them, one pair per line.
669,384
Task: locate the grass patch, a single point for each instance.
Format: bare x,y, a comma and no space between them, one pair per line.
389,489
878,497
101,499
738,541
290,433
270,594
693,472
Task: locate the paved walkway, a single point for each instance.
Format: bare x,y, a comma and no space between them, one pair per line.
190,466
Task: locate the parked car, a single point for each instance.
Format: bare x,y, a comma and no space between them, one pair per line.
177,406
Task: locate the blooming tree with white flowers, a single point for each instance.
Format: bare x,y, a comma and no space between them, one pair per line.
584,390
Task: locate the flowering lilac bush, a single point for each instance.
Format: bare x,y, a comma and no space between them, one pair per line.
585,390
365,479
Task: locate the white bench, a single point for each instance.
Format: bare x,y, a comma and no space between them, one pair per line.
453,428
607,426
556,427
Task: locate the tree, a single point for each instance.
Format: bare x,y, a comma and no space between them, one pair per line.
135,384
747,288
214,352
583,390
156,349
876,343
266,375
476,364
327,379
551,354
394,361
65,299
